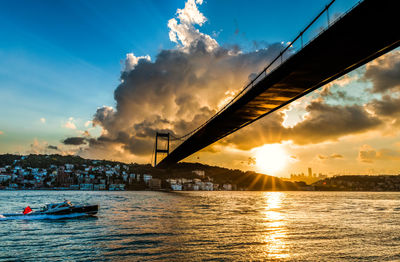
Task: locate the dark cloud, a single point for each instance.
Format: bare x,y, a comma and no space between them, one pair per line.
368,154
86,133
76,141
333,156
339,95
384,73
329,122
387,106
336,156
324,122
52,147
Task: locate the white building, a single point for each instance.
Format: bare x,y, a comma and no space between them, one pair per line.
69,166
176,187
207,186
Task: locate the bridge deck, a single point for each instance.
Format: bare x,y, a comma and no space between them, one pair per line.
366,32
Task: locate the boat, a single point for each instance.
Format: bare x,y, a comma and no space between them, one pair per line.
65,208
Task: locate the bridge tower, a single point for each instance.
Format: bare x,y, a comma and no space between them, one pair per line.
157,150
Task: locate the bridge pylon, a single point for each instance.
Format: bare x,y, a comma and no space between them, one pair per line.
157,150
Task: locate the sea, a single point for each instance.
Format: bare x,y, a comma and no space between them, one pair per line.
205,226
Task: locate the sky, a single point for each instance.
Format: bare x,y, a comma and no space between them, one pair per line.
99,78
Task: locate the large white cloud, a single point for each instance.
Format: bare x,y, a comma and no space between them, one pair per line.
183,31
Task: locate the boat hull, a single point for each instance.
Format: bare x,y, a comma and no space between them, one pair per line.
89,210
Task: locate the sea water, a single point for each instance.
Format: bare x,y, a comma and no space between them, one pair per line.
205,226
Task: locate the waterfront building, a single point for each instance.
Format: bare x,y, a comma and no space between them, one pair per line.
116,187
155,184
74,187
227,187
86,186
146,178
207,186
176,187
99,187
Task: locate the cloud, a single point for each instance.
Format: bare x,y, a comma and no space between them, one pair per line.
70,123
183,31
131,61
52,147
387,106
43,120
332,156
86,133
384,73
172,94
251,161
323,122
74,141
340,82
43,147
88,123
37,147
329,122
368,154
1,132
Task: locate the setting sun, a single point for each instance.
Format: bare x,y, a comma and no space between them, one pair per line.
270,158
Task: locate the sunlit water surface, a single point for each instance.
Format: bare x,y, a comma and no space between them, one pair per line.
201,226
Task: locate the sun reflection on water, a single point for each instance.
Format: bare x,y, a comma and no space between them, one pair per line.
275,238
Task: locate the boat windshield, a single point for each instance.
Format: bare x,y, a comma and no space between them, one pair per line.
58,205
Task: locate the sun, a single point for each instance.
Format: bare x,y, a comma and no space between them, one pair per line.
270,158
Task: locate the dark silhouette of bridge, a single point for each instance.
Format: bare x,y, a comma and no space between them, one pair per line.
365,32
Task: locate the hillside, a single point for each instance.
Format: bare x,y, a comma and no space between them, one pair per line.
242,180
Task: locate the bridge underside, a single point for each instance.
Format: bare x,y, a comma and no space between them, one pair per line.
365,33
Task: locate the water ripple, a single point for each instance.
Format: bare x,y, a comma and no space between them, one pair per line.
207,226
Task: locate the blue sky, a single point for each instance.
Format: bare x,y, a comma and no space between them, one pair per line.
61,60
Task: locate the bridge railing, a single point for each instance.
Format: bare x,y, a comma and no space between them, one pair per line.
287,51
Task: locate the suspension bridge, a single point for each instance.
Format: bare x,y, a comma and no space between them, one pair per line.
366,31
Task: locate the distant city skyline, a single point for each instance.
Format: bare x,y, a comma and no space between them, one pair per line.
98,79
